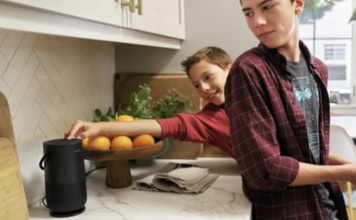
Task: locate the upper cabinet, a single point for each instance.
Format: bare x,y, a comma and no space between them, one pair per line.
105,11
144,22
164,17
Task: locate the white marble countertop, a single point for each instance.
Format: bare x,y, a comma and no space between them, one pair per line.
223,200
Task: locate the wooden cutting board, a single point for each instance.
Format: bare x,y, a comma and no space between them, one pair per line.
6,129
126,84
13,205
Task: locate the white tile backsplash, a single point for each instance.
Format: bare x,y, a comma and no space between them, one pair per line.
19,59
3,64
2,35
4,88
11,43
23,82
26,105
51,81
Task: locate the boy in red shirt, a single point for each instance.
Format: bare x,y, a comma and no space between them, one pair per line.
207,69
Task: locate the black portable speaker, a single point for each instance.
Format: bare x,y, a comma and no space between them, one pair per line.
63,164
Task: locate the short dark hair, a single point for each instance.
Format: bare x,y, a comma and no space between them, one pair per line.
291,1
214,55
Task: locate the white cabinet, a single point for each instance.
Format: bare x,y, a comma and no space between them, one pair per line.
103,11
160,24
163,17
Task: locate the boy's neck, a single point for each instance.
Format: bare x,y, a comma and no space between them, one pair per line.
291,50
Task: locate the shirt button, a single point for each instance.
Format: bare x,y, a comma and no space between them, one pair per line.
293,102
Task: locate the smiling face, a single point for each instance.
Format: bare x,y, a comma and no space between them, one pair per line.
209,80
208,69
273,22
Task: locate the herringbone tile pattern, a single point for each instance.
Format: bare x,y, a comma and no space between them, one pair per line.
50,82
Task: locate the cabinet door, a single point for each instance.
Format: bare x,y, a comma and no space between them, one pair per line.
162,17
102,11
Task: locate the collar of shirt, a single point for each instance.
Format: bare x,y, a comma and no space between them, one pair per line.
280,61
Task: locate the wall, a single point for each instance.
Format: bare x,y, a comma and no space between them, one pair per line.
50,82
208,23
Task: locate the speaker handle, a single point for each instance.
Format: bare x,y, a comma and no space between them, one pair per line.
44,159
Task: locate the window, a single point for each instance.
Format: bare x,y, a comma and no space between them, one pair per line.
335,51
324,28
337,72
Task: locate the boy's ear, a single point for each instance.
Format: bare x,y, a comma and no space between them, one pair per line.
299,6
228,68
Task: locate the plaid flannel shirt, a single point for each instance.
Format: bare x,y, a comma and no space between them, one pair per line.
269,135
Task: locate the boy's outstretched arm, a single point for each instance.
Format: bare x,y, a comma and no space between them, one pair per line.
184,127
83,129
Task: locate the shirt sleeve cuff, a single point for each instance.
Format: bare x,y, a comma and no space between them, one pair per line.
283,173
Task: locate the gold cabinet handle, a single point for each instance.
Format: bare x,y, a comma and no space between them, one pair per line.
139,7
130,4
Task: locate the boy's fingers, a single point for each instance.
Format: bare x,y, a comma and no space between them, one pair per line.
75,129
84,135
79,133
66,134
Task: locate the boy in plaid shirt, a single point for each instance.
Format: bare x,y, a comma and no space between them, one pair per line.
278,108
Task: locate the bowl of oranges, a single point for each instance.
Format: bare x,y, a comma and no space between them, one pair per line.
117,151
106,148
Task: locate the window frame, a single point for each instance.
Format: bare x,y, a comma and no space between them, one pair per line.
350,109
353,64
343,109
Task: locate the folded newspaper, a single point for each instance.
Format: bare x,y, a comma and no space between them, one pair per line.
179,178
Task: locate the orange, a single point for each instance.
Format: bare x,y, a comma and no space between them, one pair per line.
99,143
124,118
143,141
121,142
111,137
85,142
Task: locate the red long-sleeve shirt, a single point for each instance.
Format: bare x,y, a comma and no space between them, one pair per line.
209,126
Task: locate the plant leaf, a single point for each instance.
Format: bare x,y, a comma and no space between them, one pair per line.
109,111
97,112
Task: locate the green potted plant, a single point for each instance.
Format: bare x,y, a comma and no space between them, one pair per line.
170,105
138,108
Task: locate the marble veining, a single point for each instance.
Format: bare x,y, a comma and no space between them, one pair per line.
223,200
